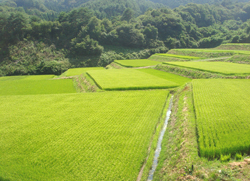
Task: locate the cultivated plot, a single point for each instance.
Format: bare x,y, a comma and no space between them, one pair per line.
178,56
27,85
244,52
137,63
223,116
92,136
128,79
216,67
79,71
207,53
234,46
27,77
168,76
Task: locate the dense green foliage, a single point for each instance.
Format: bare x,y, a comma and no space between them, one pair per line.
168,76
177,3
33,58
216,67
79,36
29,85
222,112
136,63
77,136
101,8
128,79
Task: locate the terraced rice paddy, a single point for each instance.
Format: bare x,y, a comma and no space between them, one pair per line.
92,136
216,67
79,71
128,79
137,63
178,56
244,52
208,53
234,46
28,85
168,76
223,116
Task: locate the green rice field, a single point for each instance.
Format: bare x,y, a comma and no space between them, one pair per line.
128,79
216,67
137,63
79,71
92,136
168,76
223,116
27,85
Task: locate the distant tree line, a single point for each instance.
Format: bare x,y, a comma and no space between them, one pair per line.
79,37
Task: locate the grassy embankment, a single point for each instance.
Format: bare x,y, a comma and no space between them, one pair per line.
136,63
114,65
82,82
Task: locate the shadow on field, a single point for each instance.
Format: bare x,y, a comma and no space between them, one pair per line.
3,179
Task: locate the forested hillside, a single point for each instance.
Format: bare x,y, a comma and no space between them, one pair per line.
176,3
101,8
36,39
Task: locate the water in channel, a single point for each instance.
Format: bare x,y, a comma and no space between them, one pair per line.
158,148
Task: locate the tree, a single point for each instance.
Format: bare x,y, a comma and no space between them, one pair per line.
129,36
87,46
127,15
14,27
150,32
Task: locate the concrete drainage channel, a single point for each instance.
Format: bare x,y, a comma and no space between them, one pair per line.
158,148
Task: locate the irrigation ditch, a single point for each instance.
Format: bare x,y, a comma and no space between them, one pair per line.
159,143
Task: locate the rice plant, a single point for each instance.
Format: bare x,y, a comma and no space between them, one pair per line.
226,68
128,79
92,136
223,116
